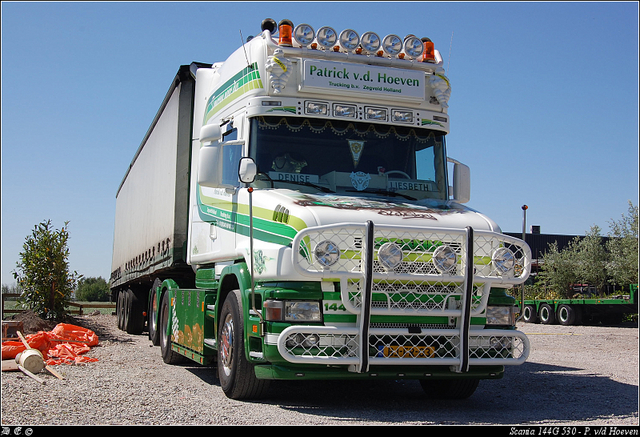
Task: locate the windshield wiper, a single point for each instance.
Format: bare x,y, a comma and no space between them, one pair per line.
383,192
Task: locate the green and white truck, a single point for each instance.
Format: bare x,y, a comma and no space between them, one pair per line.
289,215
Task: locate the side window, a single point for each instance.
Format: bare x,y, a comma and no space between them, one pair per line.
230,135
231,154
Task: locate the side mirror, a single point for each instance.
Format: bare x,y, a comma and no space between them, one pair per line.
210,132
247,170
209,174
461,181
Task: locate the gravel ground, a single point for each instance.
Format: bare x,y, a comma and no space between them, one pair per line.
580,375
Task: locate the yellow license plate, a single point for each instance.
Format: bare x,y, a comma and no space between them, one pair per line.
408,351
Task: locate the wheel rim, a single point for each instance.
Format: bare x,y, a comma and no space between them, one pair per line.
563,314
226,345
544,313
152,319
164,315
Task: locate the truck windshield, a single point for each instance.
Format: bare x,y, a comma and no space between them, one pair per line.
349,157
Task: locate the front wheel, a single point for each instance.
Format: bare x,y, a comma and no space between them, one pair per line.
449,388
237,377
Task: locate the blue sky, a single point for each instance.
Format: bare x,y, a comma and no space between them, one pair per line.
544,104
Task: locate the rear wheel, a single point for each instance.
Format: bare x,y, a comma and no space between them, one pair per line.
547,315
120,305
449,388
154,332
168,356
237,377
133,313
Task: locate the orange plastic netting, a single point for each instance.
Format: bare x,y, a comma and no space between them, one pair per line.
65,344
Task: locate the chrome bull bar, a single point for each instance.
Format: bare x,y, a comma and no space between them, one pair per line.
460,293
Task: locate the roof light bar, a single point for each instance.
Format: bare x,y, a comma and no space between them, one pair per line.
349,41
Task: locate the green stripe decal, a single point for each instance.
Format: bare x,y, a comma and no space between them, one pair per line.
235,218
244,81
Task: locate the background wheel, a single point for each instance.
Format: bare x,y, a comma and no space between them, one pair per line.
237,377
529,315
449,388
566,315
547,316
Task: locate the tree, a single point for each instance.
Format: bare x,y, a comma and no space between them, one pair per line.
623,247
43,271
558,269
592,259
93,290
588,260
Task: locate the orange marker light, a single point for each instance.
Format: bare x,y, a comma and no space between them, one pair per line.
285,28
428,55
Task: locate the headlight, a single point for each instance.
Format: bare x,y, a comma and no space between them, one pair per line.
413,46
501,315
326,37
390,255
304,34
445,259
292,311
306,341
327,253
503,260
370,42
349,39
392,45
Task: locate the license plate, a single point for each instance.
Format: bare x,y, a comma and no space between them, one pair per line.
407,351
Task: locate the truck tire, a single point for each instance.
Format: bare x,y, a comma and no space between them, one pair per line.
529,314
133,317
152,314
168,356
546,315
449,388
120,309
237,377
566,315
